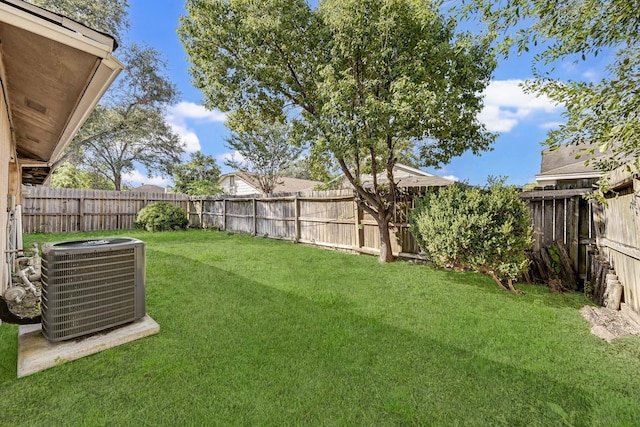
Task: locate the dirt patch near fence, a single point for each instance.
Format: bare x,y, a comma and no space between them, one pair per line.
609,324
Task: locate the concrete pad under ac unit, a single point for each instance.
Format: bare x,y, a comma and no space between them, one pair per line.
36,353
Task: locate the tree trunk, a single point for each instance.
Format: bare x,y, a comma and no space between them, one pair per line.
386,251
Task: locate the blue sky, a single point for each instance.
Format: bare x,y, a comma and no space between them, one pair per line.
521,119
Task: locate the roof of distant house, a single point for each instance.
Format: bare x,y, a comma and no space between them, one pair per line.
405,177
148,188
284,185
567,162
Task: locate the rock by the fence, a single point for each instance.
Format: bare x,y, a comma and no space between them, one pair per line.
614,294
608,324
600,269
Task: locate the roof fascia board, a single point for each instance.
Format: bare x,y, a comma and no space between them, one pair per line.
32,163
412,170
52,26
559,177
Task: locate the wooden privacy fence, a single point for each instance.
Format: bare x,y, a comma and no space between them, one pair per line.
602,239
326,218
565,217
63,210
618,231
593,234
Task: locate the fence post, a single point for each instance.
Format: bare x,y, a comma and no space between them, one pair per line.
296,219
255,216
81,214
224,214
357,218
574,243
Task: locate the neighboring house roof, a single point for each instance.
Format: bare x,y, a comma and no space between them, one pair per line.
284,185
405,177
54,71
148,188
567,162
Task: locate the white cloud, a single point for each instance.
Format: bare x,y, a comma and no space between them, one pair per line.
180,114
235,156
591,75
506,105
451,177
551,125
497,120
189,138
137,178
189,110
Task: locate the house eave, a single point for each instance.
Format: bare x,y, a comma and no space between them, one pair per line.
55,27
543,179
35,43
107,71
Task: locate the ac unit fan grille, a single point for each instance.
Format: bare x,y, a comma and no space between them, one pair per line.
87,292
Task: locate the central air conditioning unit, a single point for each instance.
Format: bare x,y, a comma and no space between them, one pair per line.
91,285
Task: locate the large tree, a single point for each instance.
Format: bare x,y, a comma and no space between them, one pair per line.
68,175
603,112
197,177
260,148
129,125
361,79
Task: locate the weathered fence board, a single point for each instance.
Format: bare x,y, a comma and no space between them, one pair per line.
618,231
563,216
67,210
326,218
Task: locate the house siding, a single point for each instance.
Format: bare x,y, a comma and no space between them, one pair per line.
240,188
5,156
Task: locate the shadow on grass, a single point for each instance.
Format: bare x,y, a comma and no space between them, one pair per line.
536,294
233,351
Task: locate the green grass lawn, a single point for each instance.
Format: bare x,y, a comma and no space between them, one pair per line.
264,332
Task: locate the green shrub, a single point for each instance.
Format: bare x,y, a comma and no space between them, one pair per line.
482,229
161,216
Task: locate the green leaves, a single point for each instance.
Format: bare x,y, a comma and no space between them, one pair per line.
109,16
129,126
604,111
161,216
487,230
264,149
366,80
198,177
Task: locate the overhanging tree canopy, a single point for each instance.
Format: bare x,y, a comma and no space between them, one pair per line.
109,16
362,80
604,112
